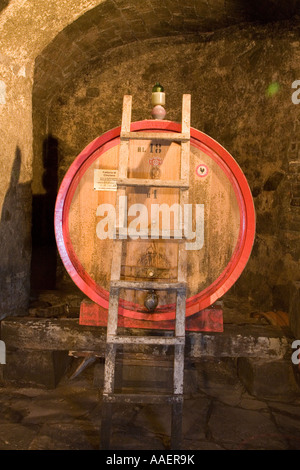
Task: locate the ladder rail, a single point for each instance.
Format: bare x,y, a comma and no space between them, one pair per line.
178,370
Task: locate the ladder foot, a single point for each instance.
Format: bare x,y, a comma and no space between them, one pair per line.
105,431
176,427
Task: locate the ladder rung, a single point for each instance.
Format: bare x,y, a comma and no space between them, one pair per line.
180,184
168,136
141,398
124,232
165,341
148,285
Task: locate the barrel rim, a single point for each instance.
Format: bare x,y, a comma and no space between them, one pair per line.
211,293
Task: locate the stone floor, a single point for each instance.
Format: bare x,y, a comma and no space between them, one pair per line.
220,415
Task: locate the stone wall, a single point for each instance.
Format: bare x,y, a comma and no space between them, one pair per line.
240,81
45,44
25,30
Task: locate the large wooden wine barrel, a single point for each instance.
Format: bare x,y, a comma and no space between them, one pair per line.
217,185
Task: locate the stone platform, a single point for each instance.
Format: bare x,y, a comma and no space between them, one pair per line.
40,349
242,378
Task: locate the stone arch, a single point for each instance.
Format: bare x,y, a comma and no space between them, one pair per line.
89,33
25,30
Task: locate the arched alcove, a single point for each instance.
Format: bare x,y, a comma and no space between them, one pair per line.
225,54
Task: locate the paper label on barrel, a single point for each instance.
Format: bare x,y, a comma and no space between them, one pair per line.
105,180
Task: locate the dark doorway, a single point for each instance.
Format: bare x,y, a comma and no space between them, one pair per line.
44,253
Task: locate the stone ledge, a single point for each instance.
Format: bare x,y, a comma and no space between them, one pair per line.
35,368
268,379
249,340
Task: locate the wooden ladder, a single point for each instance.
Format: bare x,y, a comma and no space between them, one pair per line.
178,340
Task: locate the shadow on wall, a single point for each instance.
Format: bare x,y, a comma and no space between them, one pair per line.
44,253
265,11
3,4
15,244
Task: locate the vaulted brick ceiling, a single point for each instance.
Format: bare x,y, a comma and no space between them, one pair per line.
117,22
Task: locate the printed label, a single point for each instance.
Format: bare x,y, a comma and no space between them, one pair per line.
105,180
156,161
202,170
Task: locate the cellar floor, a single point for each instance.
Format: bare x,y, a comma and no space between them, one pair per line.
219,413
221,416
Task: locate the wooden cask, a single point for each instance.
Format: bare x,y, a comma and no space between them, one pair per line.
220,215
